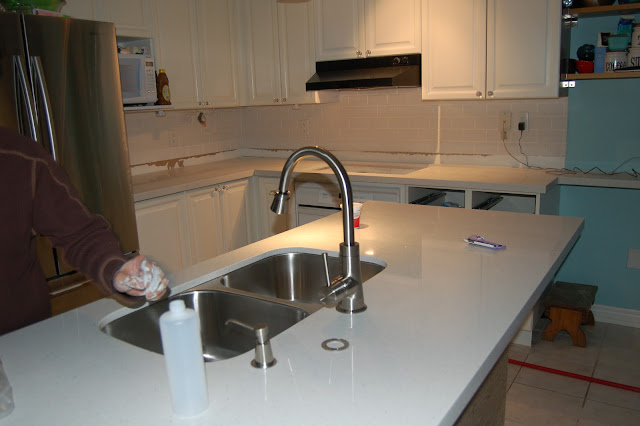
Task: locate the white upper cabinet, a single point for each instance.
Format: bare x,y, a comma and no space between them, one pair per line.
278,48
133,18
217,42
176,41
347,29
80,9
523,48
195,44
490,49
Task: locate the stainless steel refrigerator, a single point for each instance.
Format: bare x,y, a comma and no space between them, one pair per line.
60,85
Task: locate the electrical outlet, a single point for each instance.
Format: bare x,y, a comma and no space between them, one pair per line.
633,258
172,138
505,125
523,117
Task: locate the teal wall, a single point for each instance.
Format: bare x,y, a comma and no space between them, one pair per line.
603,130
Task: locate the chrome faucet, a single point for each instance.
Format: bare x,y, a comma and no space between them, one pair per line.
346,289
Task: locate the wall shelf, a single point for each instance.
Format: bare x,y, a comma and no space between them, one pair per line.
616,9
601,75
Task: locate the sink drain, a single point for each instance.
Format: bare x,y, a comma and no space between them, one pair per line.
335,344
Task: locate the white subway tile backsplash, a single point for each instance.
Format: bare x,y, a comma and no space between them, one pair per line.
394,120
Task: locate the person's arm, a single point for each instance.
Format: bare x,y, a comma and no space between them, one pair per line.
87,239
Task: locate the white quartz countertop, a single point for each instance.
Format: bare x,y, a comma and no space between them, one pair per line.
446,176
487,178
439,316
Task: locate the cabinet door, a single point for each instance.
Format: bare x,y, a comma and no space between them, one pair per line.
161,231
268,222
260,30
523,48
205,225
217,23
453,49
297,54
233,211
393,27
132,17
339,28
176,49
80,9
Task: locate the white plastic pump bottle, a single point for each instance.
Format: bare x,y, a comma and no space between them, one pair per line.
182,347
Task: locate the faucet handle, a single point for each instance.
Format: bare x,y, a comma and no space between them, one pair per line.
325,259
263,353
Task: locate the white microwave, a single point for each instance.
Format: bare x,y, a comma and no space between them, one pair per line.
137,78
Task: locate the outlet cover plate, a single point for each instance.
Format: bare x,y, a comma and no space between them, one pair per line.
633,259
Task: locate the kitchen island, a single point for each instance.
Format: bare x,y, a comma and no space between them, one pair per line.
439,317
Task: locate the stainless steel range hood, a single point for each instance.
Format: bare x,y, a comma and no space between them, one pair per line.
367,73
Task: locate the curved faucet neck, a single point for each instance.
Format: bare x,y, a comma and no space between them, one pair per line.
343,182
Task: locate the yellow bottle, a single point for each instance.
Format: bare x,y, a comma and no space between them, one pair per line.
162,88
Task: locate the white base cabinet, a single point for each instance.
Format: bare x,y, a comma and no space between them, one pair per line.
187,228
500,49
162,231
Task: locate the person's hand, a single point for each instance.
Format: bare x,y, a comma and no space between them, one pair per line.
141,277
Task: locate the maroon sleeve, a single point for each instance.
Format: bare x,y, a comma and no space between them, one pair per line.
86,238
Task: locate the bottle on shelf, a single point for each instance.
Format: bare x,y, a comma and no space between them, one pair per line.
162,88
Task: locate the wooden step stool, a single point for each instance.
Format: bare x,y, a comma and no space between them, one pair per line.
568,305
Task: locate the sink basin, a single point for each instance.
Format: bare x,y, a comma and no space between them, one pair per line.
279,290
290,276
141,328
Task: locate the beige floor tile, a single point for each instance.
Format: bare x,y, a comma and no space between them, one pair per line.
627,373
622,337
553,382
518,352
571,364
533,406
596,413
562,349
613,396
512,372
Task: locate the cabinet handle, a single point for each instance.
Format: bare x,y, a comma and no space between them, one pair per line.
367,53
284,100
276,100
225,187
478,94
490,93
358,53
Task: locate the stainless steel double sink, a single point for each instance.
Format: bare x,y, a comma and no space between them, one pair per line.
279,290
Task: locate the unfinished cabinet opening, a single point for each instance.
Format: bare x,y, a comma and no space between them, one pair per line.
502,202
436,197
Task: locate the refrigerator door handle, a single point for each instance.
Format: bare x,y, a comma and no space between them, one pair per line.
36,64
21,73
